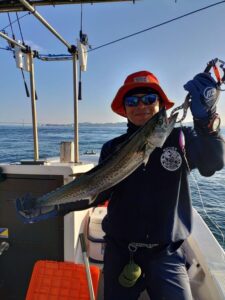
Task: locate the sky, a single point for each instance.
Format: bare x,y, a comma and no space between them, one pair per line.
175,53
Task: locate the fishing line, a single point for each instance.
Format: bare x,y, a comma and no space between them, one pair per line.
18,21
12,46
81,33
141,31
7,49
81,16
156,26
152,27
204,209
201,198
15,21
10,24
22,72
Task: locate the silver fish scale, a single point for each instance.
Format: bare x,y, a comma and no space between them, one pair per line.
100,183
120,171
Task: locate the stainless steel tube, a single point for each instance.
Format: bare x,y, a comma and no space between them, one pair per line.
6,37
33,107
75,93
44,22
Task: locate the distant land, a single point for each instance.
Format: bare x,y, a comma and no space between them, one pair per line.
118,124
65,125
88,124
122,124
84,124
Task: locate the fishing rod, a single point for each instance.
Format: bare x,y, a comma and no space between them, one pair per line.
214,64
30,54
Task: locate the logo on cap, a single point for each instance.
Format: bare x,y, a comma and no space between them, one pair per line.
141,79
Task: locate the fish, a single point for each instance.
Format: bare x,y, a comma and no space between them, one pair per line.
130,154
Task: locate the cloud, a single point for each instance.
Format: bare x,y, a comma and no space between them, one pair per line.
35,46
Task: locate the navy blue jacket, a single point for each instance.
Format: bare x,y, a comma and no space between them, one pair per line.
153,204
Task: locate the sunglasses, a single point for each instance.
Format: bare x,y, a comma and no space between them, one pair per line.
146,100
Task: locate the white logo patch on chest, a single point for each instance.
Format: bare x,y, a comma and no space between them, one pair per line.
171,159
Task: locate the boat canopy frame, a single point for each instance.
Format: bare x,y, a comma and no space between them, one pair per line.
16,6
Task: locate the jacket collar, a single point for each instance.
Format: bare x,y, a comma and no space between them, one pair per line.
131,128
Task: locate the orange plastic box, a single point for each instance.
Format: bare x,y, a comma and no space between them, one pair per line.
53,280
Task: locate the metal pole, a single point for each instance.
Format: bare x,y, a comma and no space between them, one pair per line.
12,41
87,266
44,22
75,93
33,107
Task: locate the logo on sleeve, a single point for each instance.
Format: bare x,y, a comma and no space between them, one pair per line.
210,93
171,159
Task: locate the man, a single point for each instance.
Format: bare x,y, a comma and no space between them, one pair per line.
150,213
152,207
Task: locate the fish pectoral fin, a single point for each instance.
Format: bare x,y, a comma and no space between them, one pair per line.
146,158
147,151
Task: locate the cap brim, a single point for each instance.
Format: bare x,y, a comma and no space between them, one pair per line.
117,103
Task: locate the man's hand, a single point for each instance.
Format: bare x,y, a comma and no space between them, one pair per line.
27,211
204,96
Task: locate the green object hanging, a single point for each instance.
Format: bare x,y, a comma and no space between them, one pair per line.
130,274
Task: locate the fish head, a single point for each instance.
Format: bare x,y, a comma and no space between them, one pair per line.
161,128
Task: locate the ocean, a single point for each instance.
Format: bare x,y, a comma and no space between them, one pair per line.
16,144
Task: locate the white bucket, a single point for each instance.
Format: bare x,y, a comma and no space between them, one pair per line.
96,245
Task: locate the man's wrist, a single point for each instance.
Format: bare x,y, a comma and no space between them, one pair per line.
209,125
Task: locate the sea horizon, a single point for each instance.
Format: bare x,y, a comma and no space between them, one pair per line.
80,123
83,124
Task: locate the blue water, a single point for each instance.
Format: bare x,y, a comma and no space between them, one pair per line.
16,143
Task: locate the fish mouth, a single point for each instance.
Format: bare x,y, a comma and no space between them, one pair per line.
162,128
168,121
172,119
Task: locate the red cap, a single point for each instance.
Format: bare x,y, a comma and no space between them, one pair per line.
136,80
